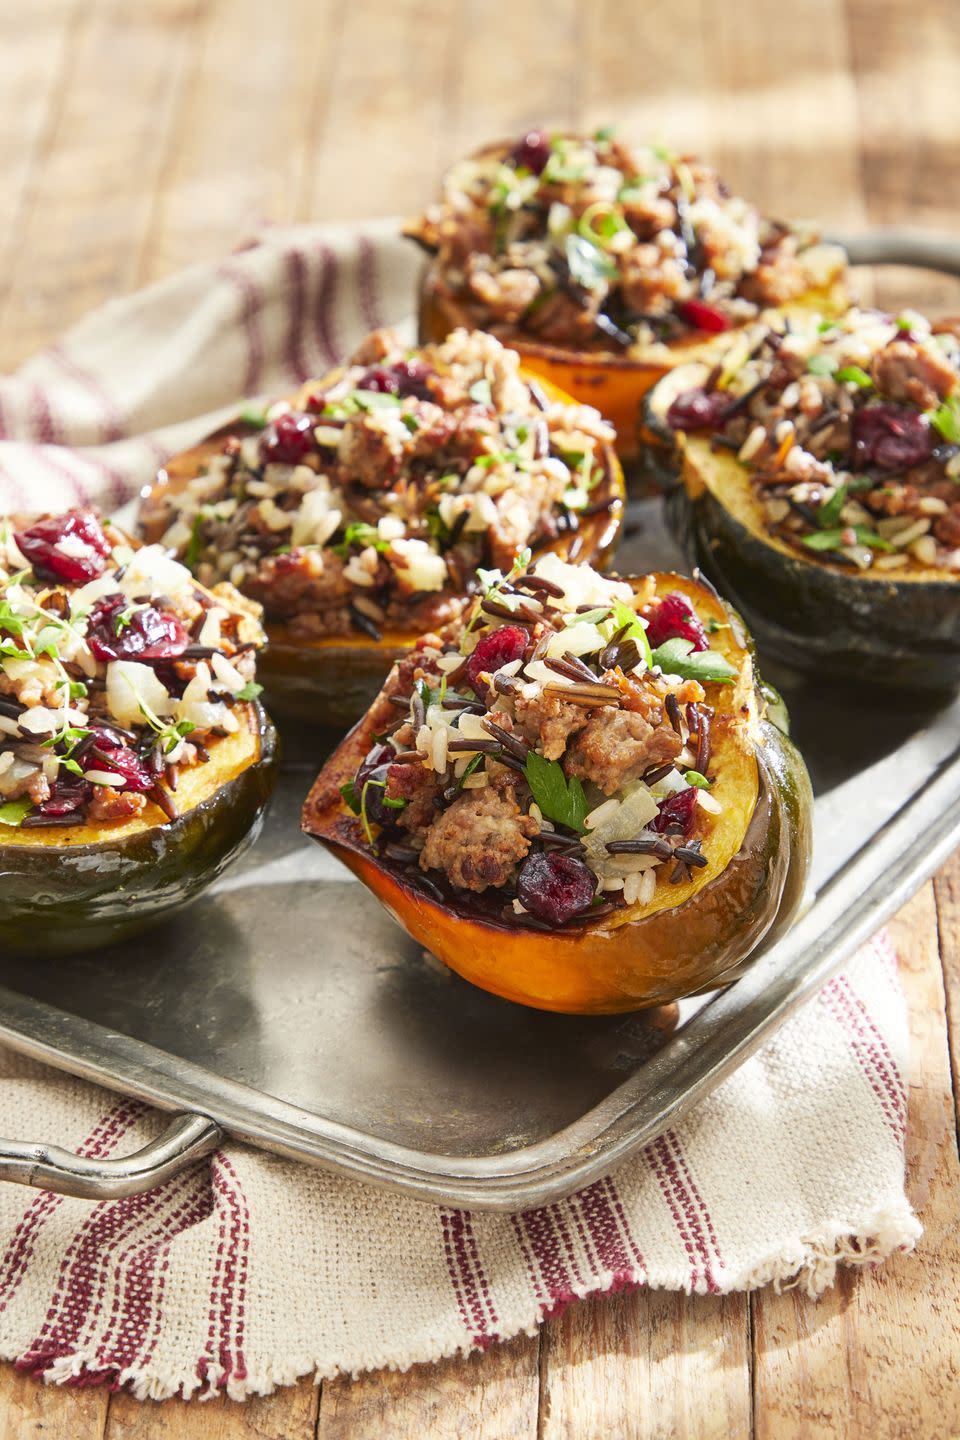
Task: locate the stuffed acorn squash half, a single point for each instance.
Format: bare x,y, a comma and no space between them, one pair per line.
821,492
573,795
135,759
606,265
358,513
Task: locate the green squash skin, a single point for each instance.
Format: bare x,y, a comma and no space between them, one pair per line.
332,685
788,842
60,901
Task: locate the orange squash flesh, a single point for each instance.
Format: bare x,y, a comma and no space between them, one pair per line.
692,936
329,680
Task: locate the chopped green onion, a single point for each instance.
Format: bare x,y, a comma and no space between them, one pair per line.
946,419
834,539
15,811
855,376
822,364
693,777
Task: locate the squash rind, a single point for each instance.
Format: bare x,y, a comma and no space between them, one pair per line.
62,899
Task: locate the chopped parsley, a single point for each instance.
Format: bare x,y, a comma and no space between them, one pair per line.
693,777
560,799
14,812
678,657
589,266
250,691
854,375
946,419
835,539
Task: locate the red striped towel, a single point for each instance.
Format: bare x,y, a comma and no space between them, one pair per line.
247,1271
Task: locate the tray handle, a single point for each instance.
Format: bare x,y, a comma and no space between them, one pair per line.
48,1167
890,245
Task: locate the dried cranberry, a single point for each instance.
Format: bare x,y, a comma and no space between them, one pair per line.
68,793
703,316
698,410
890,438
555,887
532,152
124,762
406,377
114,633
496,649
674,619
676,813
83,559
288,440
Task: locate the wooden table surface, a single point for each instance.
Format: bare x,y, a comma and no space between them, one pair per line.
141,135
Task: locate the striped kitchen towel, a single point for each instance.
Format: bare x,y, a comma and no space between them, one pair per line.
246,1270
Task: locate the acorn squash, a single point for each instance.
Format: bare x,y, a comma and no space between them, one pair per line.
330,680
691,936
74,888
888,628
650,244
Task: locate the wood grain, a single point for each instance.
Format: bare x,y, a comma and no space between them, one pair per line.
477,1397
289,1414
650,1363
878,1354
138,138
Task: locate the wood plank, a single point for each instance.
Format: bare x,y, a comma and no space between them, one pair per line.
492,1396
287,1414
947,891
645,68
245,131
380,136
783,118
35,50
877,1355
903,62
29,1408
656,1364
523,96
90,196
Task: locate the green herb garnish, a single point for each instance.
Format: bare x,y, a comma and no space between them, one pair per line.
678,657
855,376
589,266
560,799
254,415
15,811
834,539
250,691
348,790
636,630
829,513
472,764
822,364
693,777
946,419
358,532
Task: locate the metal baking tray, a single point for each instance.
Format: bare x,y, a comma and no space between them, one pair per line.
288,1010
